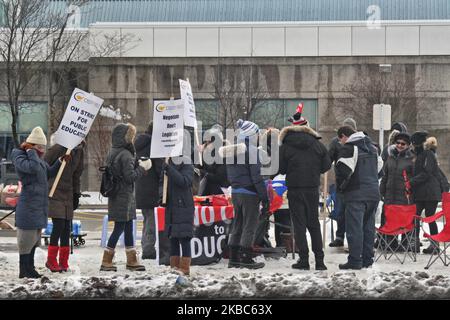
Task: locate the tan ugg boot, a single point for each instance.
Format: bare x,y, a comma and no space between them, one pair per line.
107,264
175,262
185,265
132,260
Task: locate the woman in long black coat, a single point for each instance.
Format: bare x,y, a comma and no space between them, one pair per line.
180,211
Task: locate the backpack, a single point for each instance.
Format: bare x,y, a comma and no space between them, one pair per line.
110,183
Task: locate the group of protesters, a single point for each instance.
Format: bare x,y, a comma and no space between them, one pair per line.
359,164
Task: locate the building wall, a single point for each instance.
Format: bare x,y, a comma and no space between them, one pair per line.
133,83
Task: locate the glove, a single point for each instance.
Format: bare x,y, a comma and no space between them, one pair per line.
66,157
25,146
146,164
76,200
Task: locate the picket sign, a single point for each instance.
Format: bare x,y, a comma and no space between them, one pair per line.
80,114
190,119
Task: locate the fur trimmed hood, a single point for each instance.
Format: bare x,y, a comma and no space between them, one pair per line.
292,129
232,150
123,135
430,144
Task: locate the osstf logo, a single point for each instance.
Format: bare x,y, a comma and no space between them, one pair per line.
79,96
160,107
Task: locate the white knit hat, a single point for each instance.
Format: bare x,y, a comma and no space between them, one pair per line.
246,129
37,136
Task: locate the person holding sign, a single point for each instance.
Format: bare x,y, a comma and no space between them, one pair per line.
180,210
62,204
121,206
32,208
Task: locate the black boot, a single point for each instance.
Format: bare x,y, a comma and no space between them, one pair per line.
336,243
431,248
246,260
33,272
302,264
233,261
320,265
348,266
23,266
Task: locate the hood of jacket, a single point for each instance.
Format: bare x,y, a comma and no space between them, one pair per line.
430,144
362,141
300,137
122,135
232,150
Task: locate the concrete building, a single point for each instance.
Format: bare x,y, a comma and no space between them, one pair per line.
324,53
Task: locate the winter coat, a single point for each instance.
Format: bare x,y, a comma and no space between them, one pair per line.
392,186
61,204
431,144
303,158
33,172
147,193
180,202
121,207
333,149
425,182
244,168
214,175
358,181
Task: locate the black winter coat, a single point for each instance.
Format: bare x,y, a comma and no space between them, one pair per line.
392,186
425,182
180,202
147,193
303,158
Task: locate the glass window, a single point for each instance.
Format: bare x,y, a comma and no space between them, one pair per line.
275,113
30,115
5,118
207,111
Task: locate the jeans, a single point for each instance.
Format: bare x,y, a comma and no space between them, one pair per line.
360,228
148,233
119,228
340,232
175,247
60,232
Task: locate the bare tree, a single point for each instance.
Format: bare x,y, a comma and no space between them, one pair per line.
238,90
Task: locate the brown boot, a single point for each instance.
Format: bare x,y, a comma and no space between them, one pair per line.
132,261
107,264
185,264
175,262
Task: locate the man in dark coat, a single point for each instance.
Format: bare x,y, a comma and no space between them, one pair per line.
425,184
303,158
121,206
61,206
357,178
333,150
147,194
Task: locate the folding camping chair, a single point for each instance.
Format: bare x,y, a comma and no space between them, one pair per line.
399,221
443,236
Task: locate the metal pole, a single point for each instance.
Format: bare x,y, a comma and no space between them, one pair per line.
381,138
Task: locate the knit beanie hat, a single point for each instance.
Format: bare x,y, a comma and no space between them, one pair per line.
403,136
246,129
297,119
350,122
419,137
400,126
37,136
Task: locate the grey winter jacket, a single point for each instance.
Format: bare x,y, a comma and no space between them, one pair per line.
33,172
122,206
392,186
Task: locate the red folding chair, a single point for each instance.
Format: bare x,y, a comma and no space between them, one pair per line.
443,236
399,221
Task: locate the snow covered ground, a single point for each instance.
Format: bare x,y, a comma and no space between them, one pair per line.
386,279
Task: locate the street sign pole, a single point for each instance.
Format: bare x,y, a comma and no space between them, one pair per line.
381,137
